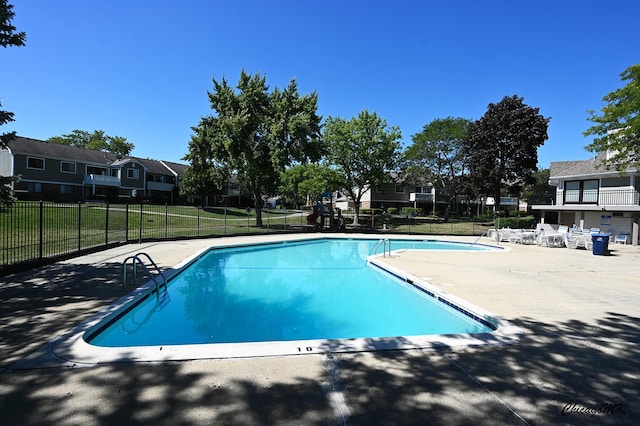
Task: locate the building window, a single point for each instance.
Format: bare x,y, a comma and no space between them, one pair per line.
133,173
35,163
581,191
34,187
66,189
93,170
399,189
67,167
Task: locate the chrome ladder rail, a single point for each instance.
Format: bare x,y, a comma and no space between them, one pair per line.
484,234
136,259
381,242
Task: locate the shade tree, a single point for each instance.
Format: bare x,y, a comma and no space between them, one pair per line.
501,148
97,140
9,36
254,134
304,183
617,127
436,157
364,150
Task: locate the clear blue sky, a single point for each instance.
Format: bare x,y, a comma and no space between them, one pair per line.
141,69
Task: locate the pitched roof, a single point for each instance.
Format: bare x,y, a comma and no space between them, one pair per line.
35,147
591,167
28,146
178,168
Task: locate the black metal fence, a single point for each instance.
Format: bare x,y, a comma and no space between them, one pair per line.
34,233
37,232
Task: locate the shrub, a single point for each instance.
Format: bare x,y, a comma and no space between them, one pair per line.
484,218
392,210
525,222
371,211
414,211
21,194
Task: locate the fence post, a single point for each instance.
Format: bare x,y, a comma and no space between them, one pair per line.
166,220
106,225
79,225
41,233
126,223
225,219
140,226
198,226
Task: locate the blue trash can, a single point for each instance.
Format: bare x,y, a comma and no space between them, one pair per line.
600,244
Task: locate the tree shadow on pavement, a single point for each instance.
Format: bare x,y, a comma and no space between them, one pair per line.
545,378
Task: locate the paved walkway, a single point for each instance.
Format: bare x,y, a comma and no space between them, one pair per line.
580,351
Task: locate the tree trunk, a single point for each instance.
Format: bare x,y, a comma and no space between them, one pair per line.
496,201
258,206
356,218
447,211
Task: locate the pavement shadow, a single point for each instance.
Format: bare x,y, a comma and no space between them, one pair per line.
557,374
38,305
551,376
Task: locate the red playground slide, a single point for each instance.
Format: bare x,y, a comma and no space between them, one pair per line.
312,220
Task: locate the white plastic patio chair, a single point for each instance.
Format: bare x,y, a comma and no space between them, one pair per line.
621,238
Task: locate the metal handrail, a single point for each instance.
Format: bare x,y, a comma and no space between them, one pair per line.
484,234
136,259
381,242
375,247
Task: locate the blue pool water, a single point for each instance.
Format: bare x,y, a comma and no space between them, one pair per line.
318,289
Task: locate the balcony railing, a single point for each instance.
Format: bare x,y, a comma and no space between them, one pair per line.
160,186
601,197
104,180
420,196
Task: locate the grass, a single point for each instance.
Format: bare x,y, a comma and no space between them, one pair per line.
30,230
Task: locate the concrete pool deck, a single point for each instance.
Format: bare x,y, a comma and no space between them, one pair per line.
579,352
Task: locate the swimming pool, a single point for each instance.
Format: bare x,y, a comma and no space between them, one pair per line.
286,298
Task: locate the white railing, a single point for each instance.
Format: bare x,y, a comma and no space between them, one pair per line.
92,179
601,197
420,196
160,186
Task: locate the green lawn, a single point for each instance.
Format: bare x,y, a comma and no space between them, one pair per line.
69,228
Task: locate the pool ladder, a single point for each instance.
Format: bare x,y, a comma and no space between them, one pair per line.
484,234
135,260
382,242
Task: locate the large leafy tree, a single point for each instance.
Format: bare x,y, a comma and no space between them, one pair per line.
255,134
205,176
303,183
9,36
502,147
618,127
539,191
96,140
364,150
436,156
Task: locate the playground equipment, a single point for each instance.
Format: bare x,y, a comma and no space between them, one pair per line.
323,212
